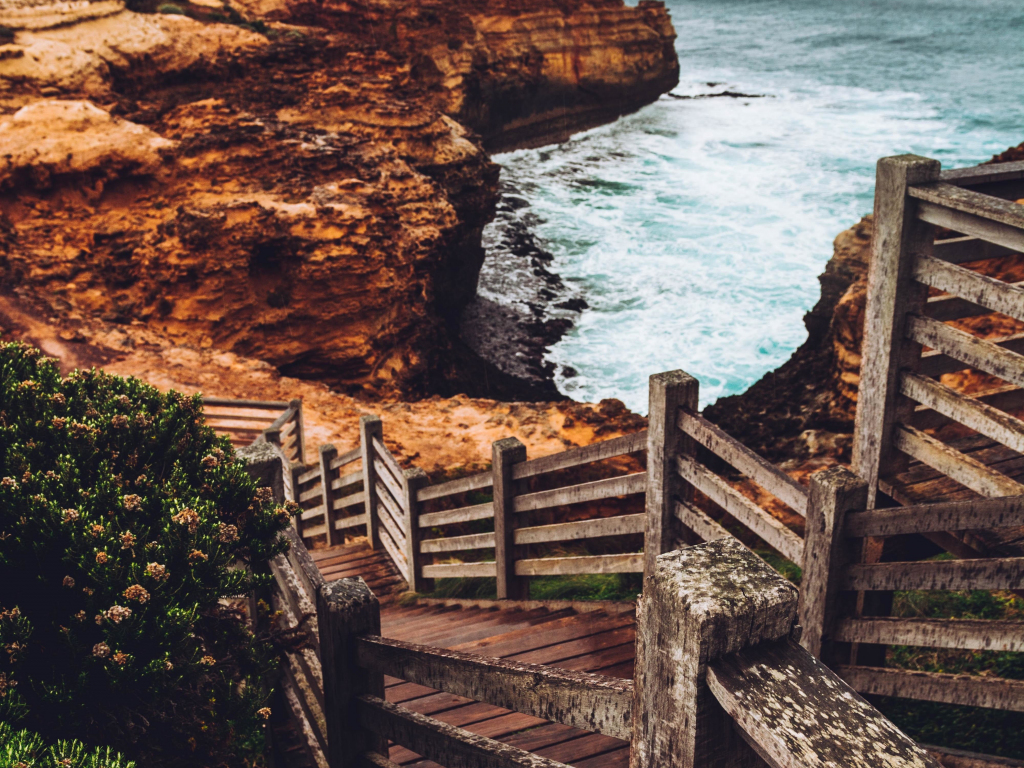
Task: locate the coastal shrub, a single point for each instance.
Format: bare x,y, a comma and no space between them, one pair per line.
126,524
24,749
170,8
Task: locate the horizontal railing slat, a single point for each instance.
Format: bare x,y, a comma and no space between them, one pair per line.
458,543
997,295
460,515
971,224
576,494
982,174
443,743
581,529
1005,397
762,472
700,523
580,699
389,460
310,474
346,480
954,464
312,493
989,421
459,570
976,353
607,449
990,573
935,363
238,417
390,516
385,476
958,250
968,201
800,714
970,634
347,458
462,485
965,690
566,566
777,535
341,523
228,402
999,512
351,500
313,512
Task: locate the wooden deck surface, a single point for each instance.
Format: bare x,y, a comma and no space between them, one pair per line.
596,641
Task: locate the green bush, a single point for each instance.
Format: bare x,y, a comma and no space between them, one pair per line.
171,8
124,523
24,749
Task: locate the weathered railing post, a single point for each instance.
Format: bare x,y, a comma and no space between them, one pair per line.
899,238
369,428
345,609
412,480
505,453
300,433
327,454
833,493
668,393
699,604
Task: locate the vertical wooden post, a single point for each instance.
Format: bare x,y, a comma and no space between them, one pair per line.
412,480
668,392
505,453
297,469
300,432
833,493
345,609
899,238
699,604
327,454
369,428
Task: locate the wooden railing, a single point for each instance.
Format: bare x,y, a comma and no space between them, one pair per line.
245,420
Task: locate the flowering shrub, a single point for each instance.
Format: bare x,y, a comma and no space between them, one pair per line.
124,521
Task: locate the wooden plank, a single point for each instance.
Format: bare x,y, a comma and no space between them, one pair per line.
460,515
698,522
795,712
965,690
965,410
565,566
970,202
383,475
347,458
958,758
1000,512
576,494
395,513
607,449
969,634
936,362
390,523
458,543
505,454
762,472
227,402
954,308
351,500
384,455
997,295
412,480
243,417
312,493
312,512
448,745
777,535
395,550
462,485
984,174
369,427
958,250
342,523
312,473
971,224
952,463
591,702
459,570
582,529
327,452
346,480
1005,397
989,573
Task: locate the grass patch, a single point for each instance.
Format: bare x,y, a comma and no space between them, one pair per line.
597,586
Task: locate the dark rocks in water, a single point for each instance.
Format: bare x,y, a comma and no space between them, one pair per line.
723,94
573,305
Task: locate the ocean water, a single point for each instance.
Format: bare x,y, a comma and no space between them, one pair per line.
696,228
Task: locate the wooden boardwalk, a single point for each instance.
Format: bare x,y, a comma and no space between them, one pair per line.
596,641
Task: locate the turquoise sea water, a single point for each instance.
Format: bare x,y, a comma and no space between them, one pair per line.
696,228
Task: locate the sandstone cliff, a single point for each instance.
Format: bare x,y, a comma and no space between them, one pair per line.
306,193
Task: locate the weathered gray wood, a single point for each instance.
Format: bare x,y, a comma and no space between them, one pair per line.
460,515
997,295
797,713
242,417
972,224
313,512
899,237
373,760
989,421
504,455
459,570
981,174
350,522
576,494
762,472
395,550
476,482
1005,397
981,354
834,493
698,522
966,690
389,514
777,535
312,493
303,564
968,201
412,481
580,699
952,463
972,634
385,477
959,758
566,566
950,307
300,431
936,363
958,250
310,474
667,393
607,449
327,453
369,428
344,481
1001,512
990,573
381,451
446,744
699,604
227,402
311,713
347,458
353,500
582,529
458,543
345,609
